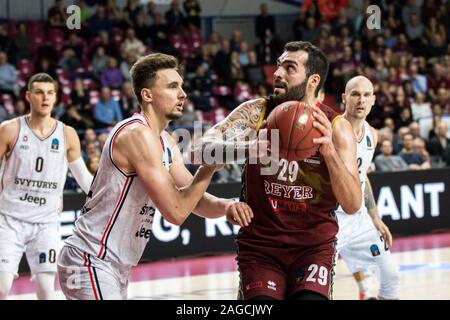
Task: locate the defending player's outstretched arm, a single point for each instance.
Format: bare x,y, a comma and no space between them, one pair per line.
236,132
338,147
138,149
209,205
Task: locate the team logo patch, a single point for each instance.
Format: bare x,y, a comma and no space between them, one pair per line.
271,285
25,138
55,144
369,142
375,250
42,257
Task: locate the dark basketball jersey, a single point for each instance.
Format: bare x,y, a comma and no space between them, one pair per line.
295,207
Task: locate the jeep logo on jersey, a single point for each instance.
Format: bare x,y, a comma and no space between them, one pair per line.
143,233
55,144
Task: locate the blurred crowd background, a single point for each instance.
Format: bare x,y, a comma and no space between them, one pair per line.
407,59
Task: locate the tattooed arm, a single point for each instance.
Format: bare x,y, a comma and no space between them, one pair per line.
235,135
373,212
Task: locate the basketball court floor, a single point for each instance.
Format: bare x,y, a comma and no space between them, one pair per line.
424,264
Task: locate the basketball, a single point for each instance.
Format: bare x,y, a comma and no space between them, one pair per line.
294,121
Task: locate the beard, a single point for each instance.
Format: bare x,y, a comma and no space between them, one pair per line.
174,116
295,93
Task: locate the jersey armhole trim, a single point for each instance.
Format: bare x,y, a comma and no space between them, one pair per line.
111,146
335,120
262,114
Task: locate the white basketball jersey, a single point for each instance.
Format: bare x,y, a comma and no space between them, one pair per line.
364,152
116,220
33,176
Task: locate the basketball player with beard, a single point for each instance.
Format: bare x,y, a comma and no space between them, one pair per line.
141,170
289,253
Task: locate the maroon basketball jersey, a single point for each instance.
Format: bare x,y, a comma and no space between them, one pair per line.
295,207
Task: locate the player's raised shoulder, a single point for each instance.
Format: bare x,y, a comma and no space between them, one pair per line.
9,130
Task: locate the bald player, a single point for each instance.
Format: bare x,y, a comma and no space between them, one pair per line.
363,238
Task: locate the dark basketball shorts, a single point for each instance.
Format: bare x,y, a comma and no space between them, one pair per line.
281,273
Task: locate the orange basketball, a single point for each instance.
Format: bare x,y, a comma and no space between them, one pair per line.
294,121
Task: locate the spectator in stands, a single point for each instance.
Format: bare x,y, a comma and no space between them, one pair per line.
174,17
126,65
414,129
141,29
418,81
345,68
359,53
420,108
102,140
133,44
79,96
193,9
46,65
23,42
420,147
201,88
20,109
89,137
114,13
160,34
214,44
414,160
415,30
99,61
73,118
311,31
237,72
150,12
386,161
6,43
107,111
253,72
235,41
222,63
437,144
69,61
264,22
128,102
8,75
76,44
443,99
99,22
111,76
57,16
92,164
104,41
130,12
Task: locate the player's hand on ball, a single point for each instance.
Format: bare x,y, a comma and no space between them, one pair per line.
322,124
239,213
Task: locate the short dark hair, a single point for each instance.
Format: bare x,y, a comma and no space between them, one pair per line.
317,62
143,72
41,77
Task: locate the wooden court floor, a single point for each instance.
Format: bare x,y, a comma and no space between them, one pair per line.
423,261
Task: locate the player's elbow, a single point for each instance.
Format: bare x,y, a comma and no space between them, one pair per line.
353,205
175,217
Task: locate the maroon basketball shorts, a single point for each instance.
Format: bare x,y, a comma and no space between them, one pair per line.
282,272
